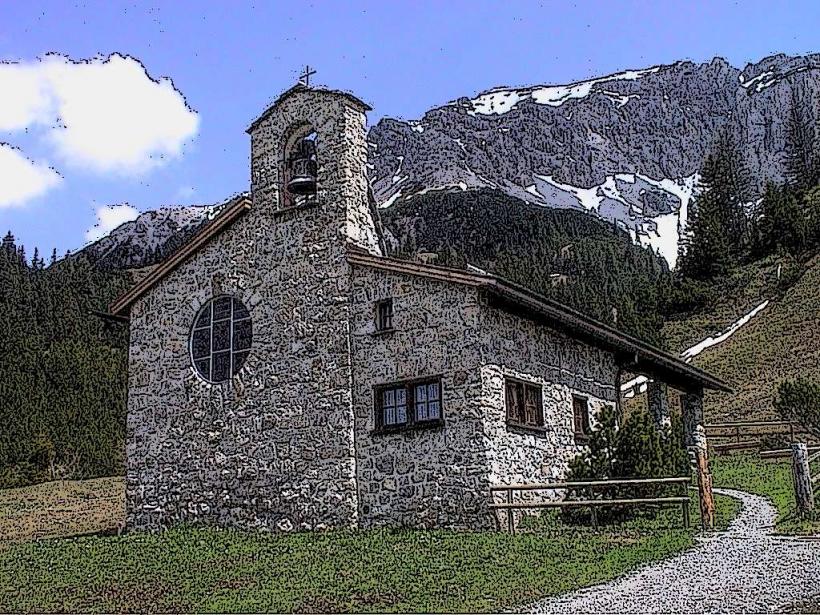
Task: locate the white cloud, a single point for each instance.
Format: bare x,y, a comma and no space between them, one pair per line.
105,114
22,179
109,218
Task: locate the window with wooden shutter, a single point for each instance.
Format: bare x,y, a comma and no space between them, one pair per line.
524,405
580,417
384,315
511,398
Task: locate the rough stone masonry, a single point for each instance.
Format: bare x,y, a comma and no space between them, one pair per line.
293,439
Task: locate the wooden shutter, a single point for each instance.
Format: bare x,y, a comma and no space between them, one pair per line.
580,415
512,398
530,405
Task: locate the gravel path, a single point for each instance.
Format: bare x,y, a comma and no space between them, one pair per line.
745,569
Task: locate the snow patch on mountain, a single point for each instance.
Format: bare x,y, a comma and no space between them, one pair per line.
759,83
637,385
619,99
653,211
501,100
690,353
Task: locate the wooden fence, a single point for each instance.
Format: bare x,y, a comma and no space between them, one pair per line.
784,452
510,505
750,435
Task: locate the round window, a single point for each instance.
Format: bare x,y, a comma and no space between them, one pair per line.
221,339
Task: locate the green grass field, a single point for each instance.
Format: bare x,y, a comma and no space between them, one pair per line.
206,569
771,478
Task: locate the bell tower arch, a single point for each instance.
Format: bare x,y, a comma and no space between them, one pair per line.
308,153
299,167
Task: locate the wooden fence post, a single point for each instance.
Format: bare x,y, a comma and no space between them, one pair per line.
510,520
803,492
707,499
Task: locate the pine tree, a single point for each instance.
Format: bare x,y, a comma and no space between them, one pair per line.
801,147
733,184
9,247
36,262
718,233
811,210
782,225
705,250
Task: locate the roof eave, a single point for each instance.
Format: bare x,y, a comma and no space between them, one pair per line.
604,335
122,305
300,88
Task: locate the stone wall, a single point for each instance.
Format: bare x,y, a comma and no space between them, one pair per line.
521,348
429,477
289,442
274,447
441,476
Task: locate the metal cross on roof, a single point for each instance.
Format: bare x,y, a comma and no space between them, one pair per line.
304,78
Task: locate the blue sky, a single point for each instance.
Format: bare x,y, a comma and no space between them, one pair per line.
74,141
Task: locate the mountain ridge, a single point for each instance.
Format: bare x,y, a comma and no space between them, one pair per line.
627,147
568,145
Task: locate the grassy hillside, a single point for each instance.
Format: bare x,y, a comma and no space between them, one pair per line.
768,477
62,508
781,342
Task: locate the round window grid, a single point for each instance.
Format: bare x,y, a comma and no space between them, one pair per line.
221,339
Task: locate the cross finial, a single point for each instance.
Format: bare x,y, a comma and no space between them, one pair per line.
304,78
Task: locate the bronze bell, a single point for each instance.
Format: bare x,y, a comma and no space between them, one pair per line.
303,168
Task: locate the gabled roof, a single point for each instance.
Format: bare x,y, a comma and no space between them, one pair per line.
232,210
303,88
631,352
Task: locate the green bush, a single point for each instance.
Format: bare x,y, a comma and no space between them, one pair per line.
799,401
636,449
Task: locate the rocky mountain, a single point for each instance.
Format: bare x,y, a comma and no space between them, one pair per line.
627,147
150,238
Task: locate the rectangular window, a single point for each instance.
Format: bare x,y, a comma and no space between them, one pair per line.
384,315
580,417
524,403
409,404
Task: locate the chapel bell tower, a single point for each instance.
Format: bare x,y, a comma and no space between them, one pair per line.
309,156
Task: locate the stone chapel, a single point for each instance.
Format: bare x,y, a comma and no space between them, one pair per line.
285,373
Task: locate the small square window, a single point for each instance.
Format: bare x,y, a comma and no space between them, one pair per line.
384,315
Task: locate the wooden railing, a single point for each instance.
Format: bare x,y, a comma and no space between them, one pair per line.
510,505
784,452
748,435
